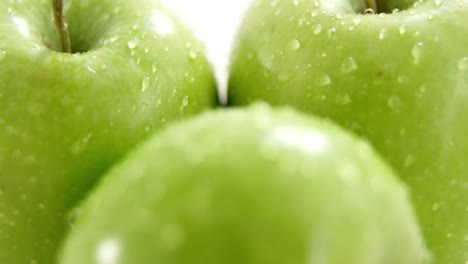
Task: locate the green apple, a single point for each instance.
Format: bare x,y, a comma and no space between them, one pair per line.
399,79
66,117
251,186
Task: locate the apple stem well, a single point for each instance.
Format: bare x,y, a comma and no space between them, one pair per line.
61,26
385,6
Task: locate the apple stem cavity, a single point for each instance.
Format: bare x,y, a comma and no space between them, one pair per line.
61,26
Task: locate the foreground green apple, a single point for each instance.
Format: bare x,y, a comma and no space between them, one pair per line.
400,80
64,118
253,186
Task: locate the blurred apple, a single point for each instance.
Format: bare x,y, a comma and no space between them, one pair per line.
253,186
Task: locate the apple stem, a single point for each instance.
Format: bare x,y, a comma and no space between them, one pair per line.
374,5
61,26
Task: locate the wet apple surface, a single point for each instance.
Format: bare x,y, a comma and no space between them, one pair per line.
254,186
66,117
398,78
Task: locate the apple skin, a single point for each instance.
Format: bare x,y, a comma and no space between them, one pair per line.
248,186
65,118
400,80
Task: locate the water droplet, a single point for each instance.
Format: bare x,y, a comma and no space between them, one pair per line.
172,236
193,54
348,172
274,3
394,102
369,11
296,2
113,39
409,160
148,127
84,3
349,65
285,76
145,83
401,78
417,52
382,33
89,68
422,89
331,32
318,29
462,64
104,16
343,99
402,29
436,206
357,21
79,110
154,67
2,54
267,59
79,145
133,43
72,216
294,44
438,2
323,80
185,102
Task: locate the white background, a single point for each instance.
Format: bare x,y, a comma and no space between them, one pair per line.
215,22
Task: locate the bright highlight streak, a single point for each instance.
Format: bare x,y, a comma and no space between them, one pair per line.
161,23
22,25
108,252
309,141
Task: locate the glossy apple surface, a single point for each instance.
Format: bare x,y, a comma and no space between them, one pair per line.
400,80
65,118
248,186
